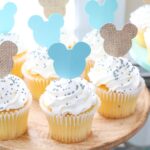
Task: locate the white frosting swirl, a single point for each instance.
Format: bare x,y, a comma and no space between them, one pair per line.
141,17
13,93
117,74
95,41
66,96
15,39
39,63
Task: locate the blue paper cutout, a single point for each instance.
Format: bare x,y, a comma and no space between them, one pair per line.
47,32
100,14
7,20
69,63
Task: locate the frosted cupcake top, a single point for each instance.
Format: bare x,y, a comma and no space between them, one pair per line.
95,41
13,93
38,63
66,96
13,38
117,74
141,17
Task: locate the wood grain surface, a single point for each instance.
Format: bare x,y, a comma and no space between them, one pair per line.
106,133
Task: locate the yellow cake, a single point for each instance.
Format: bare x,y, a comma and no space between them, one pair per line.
118,85
69,106
89,65
19,60
140,38
15,101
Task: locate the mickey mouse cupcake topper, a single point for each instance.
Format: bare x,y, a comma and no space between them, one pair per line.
52,6
46,32
117,43
69,63
96,11
7,50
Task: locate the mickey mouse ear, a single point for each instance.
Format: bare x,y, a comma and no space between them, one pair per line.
56,51
89,7
131,30
9,46
11,7
82,50
107,30
35,21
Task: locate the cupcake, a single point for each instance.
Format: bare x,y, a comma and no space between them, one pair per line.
69,106
38,72
15,100
95,41
141,18
118,85
20,57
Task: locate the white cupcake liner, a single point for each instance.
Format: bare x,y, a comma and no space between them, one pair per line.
69,128
14,123
118,105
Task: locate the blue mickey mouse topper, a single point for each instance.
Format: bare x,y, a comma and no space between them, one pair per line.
69,63
100,14
7,20
47,32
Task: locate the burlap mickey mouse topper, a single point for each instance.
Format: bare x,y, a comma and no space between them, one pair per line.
117,43
7,50
53,6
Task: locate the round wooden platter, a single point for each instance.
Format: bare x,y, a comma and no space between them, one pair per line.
106,133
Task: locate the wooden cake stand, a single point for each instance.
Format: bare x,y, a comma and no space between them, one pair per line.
106,134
